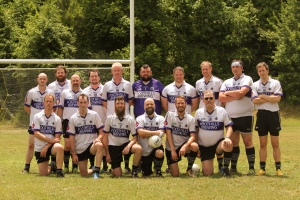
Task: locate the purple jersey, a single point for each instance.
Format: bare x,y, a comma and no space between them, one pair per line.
142,91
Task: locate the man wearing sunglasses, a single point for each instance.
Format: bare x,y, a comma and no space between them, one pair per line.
236,93
210,122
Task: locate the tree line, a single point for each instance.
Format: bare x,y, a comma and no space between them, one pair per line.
168,33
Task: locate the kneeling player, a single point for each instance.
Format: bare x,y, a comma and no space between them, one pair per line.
210,121
181,134
47,131
147,125
84,127
116,139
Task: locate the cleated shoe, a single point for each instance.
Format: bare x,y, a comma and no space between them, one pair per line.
225,172
190,173
127,170
25,171
251,172
53,166
59,174
261,172
74,170
134,174
279,172
96,175
168,170
159,174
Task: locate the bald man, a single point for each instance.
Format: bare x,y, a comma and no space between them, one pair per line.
66,108
33,104
147,125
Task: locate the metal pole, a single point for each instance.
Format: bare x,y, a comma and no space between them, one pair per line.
132,41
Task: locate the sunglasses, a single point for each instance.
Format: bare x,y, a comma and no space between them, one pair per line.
210,98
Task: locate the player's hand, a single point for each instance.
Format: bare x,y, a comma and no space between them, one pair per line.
74,158
55,140
126,150
108,159
182,151
44,152
174,155
228,143
96,140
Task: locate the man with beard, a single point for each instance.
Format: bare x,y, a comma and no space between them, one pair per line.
147,125
66,108
181,137
179,88
94,90
61,83
85,137
116,139
33,104
146,87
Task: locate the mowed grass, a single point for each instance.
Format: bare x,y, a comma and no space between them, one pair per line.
14,185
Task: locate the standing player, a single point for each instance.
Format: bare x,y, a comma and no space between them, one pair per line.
177,88
116,139
47,130
66,108
236,93
147,125
146,87
84,127
33,104
94,90
210,122
61,83
267,93
181,136
209,82
117,87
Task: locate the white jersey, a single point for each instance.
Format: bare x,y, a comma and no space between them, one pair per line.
171,91
96,101
119,130
214,84
68,101
111,90
211,125
85,129
150,124
243,107
272,87
58,88
180,128
34,99
46,125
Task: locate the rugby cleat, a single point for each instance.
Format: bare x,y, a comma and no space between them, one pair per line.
261,172
279,172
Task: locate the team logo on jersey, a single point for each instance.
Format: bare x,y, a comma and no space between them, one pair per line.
269,88
84,122
212,88
209,119
52,123
186,125
123,89
117,89
91,121
95,94
184,93
152,88
178,93
47,123
216,118
126,126
156,123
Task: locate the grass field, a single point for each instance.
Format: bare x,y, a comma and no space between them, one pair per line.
14,185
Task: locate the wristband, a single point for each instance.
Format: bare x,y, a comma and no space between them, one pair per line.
227,137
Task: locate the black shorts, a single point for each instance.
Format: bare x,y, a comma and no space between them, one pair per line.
146,162
30,130
40,159
208,153
85,155
169,156
115,153
65,124
242,124
267,121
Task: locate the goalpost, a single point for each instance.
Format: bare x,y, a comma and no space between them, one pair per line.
10,73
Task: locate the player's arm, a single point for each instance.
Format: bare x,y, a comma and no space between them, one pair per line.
60,112
227,140
171,144
164,103
104,104
195,103
223,98
237,94
100,136
270,98
27,109
258,100
42,137
146,133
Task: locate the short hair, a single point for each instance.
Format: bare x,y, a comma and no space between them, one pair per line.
205,63
94,70
117,64
145,66
178,68
209,92
82,95
180,97
236,62
262,64
49,95
119,98
61,67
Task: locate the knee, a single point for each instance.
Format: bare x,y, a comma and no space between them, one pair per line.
159,153
137,149
99,146
194,147
31,146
